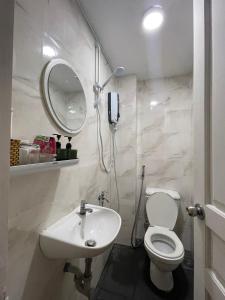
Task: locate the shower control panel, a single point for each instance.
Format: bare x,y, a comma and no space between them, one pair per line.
113,107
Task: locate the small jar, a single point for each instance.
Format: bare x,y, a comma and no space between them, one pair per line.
14,152
29,153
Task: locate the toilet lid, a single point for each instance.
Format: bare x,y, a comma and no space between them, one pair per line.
162,210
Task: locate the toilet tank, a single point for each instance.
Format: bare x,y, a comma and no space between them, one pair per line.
162,207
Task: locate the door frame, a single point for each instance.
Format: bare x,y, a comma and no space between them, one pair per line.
6,58
202,128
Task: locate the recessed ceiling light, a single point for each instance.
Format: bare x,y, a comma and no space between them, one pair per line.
153,18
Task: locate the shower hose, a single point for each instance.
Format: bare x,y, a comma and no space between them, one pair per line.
101,153
134,243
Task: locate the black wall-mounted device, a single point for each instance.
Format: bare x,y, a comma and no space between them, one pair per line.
113,107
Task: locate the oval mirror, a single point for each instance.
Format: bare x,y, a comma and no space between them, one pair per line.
64,96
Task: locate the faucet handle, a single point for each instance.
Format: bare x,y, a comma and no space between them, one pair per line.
102,198
83,202
105,194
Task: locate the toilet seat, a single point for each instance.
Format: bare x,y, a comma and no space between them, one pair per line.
164,243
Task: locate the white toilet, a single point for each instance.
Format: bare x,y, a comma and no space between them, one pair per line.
163,246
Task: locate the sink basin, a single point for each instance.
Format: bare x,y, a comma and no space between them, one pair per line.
77,236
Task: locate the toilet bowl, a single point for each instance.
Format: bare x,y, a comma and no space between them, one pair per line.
163,246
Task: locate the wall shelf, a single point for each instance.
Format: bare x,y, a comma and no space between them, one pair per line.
41,167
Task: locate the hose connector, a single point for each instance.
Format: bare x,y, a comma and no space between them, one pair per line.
143,172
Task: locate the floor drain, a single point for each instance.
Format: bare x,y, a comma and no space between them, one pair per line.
90,243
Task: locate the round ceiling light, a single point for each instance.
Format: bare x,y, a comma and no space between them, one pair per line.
153,18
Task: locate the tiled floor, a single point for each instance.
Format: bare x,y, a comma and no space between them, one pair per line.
126,277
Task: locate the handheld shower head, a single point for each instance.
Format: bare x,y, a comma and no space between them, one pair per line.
117,72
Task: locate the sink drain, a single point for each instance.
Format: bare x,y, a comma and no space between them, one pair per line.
90,243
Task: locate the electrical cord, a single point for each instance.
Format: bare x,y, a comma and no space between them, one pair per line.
101,153
100,144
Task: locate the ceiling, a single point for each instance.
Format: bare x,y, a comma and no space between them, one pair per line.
163,53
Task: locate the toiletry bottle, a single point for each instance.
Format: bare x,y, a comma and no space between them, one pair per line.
47,147
58,146
71,153
69,147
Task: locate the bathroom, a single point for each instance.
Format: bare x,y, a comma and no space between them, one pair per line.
127,202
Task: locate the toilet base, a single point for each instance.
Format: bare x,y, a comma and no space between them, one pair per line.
162,280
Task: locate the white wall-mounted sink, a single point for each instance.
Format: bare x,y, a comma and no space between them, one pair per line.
68,237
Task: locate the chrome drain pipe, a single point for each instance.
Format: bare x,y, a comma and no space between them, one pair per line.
82,280
87,272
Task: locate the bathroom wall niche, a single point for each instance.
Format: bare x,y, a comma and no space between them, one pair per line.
64,96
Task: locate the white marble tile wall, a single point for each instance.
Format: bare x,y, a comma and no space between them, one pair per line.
38,200
165,141
155,130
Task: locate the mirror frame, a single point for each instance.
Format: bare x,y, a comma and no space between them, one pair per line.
45,79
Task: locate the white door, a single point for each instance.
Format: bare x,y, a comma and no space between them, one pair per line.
209,163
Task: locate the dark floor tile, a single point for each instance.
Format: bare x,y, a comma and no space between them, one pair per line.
183,287
120,274
103,295
126,277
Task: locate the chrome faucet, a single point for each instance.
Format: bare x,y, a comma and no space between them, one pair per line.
102,198
83,209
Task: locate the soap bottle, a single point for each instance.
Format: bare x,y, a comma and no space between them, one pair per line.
69,147
58,147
